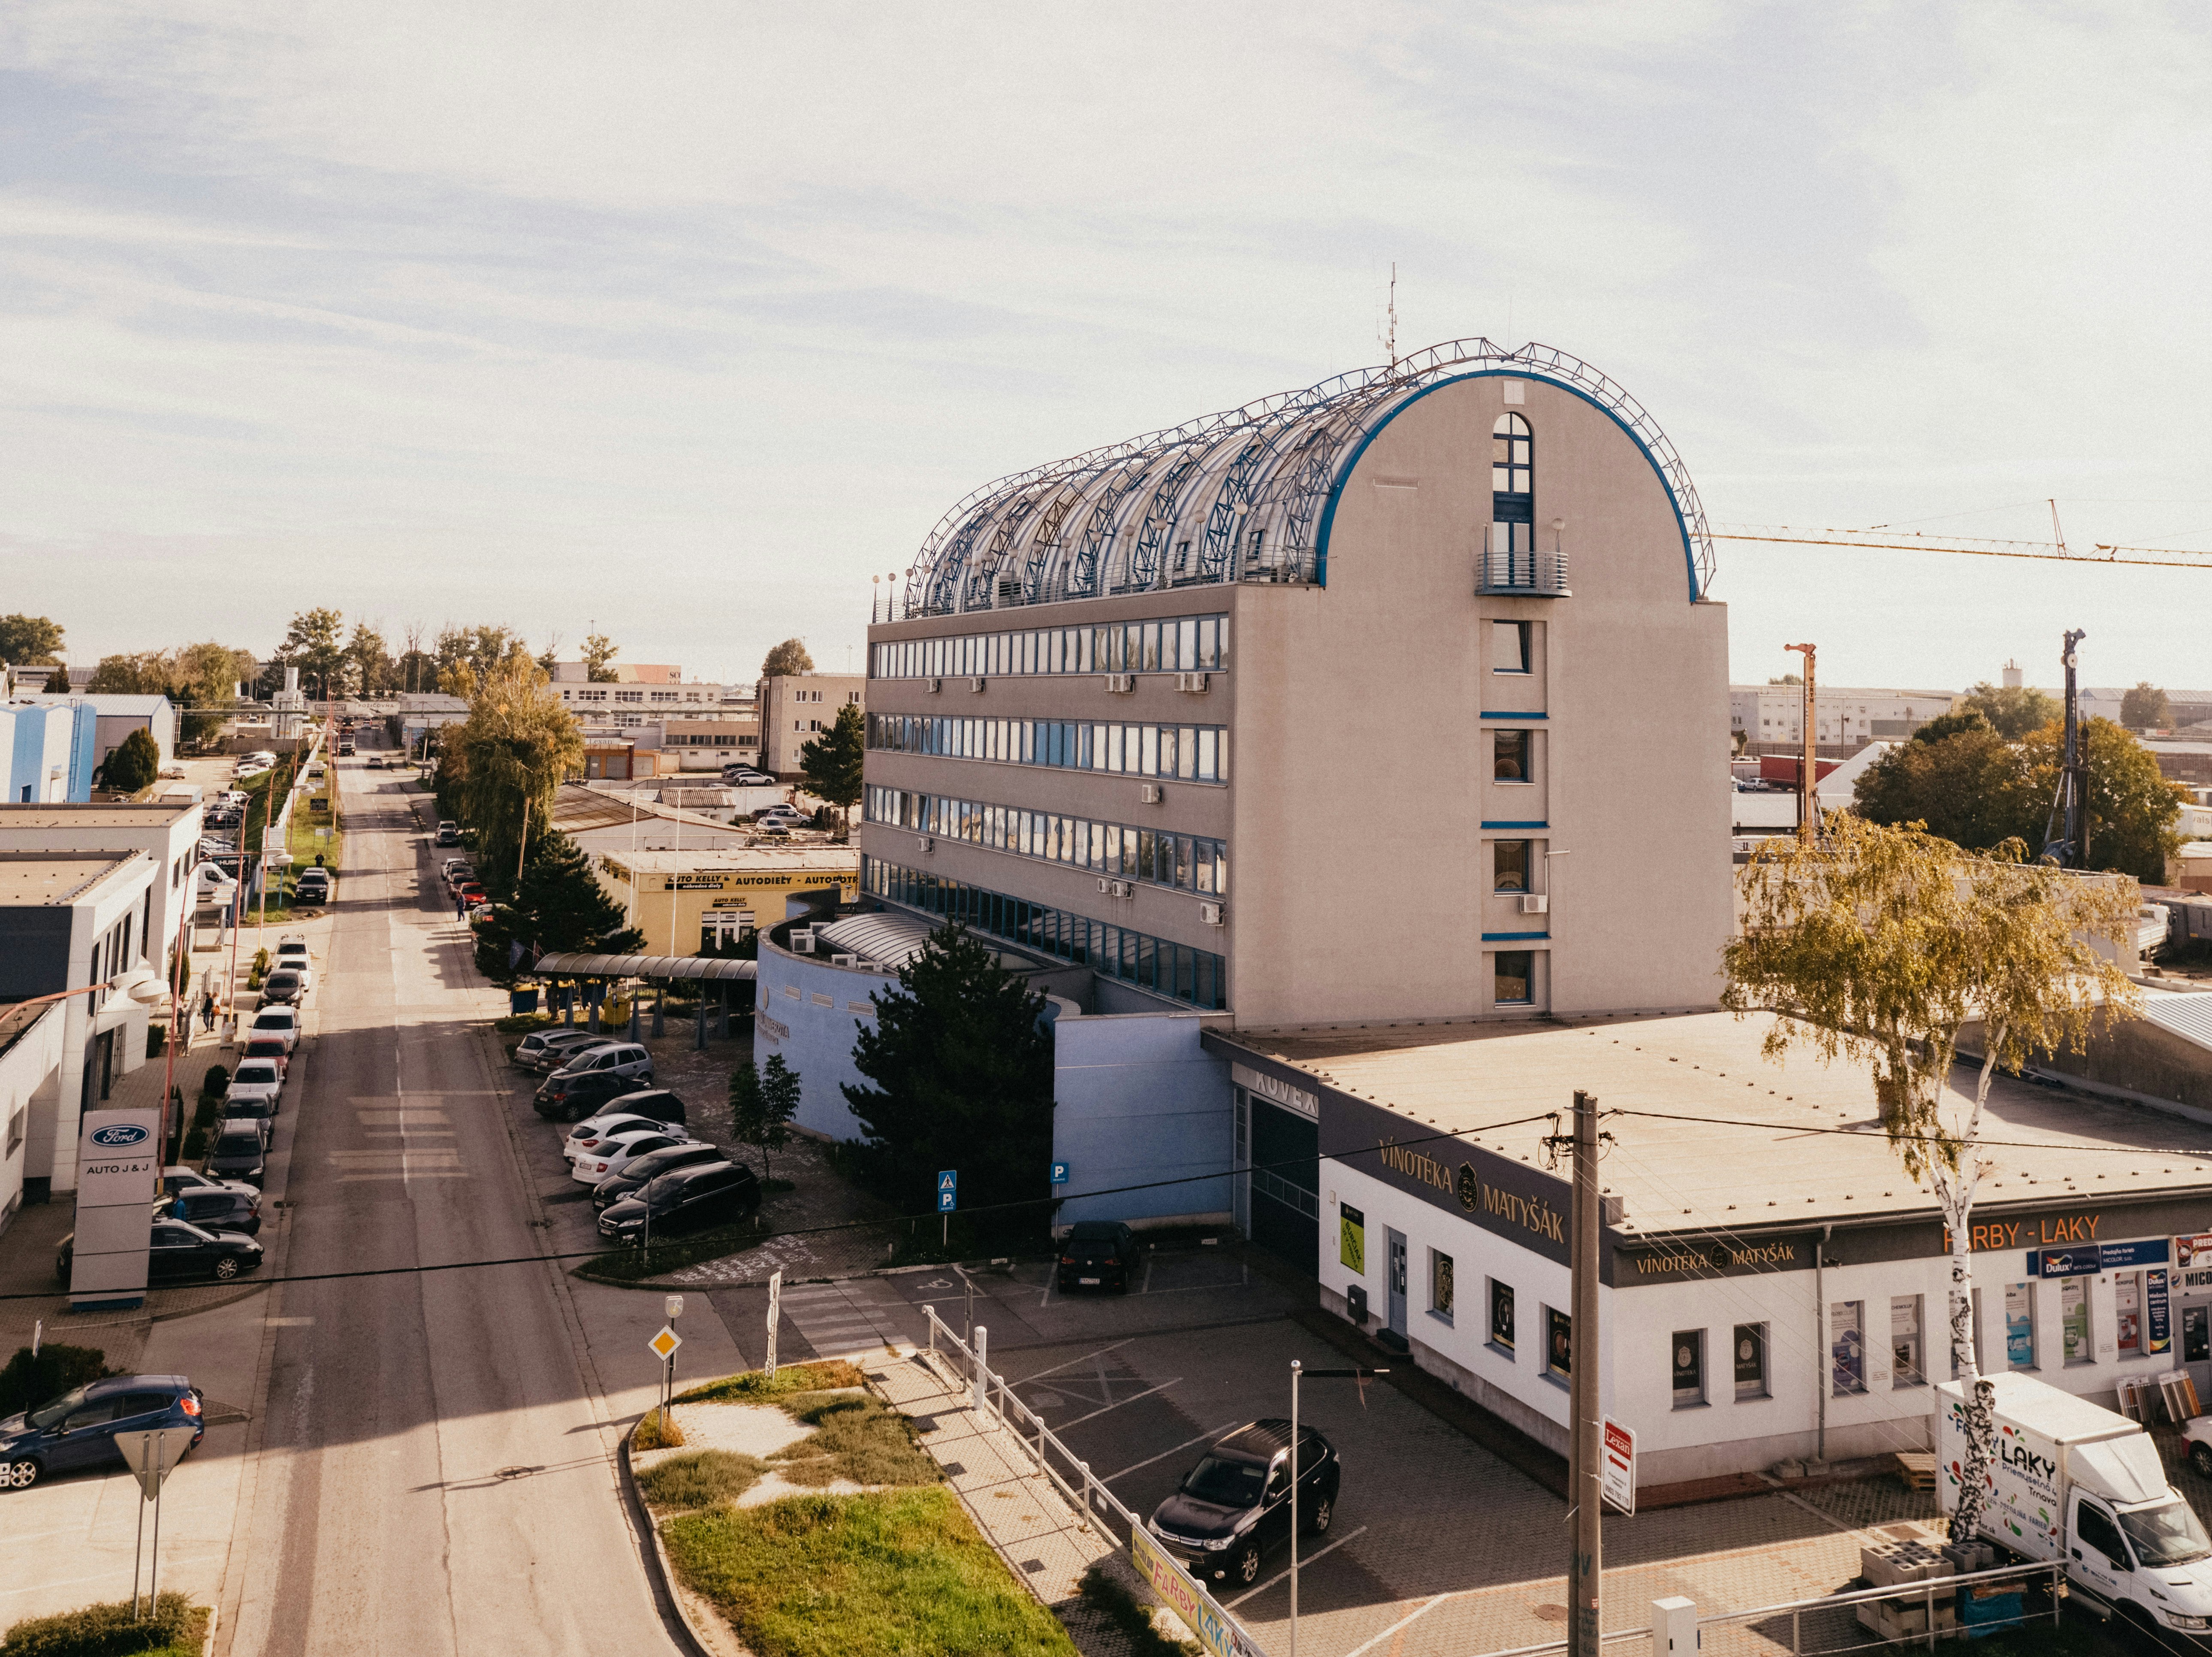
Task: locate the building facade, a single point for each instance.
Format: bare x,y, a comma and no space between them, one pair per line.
50,749
796,708
688,901
1189,709
1771,718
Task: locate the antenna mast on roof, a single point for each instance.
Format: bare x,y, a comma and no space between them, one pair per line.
1390,315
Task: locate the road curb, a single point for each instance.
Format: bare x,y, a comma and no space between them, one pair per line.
665,1587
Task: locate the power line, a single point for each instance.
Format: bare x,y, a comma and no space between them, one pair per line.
1883,1134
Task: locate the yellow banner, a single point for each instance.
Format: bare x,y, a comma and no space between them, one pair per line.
1182,1595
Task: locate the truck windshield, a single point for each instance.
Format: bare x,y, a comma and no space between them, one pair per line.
2169,1535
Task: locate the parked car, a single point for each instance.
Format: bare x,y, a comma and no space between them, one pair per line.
449,831
455,870
689,1199
239,1152
740,776
178,1251
315,886
215,1209
376,763
1234,1504
271,1048
613,1153
260,1112
78,1428
790,814
283,987
585,1136
565,1097
623,1058
539,1049
643,1169
655,1107
1098,1254
282,1023
176,1180
254,1081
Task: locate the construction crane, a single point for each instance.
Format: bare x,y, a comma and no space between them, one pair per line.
1884,539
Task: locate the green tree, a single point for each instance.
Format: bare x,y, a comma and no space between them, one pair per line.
788,657
558,907
961,1060
779,1104
1881,945
57,682
29,641
515,746
469,656
831,762
417,671
314,643
143,673
1787,679
135,763
205,678
748,1108
2145,707
2132,808
1961,783
370,659
599,652
2013,710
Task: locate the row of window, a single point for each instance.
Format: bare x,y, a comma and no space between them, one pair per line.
1196,753
1173,970
1180,644
1188,863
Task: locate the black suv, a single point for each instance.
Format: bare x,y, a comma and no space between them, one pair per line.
213,1209
78,1429
1235,1503
689,1199
1098,1254
238,1153
644,1170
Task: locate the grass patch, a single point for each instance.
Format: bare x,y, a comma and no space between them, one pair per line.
175,1628
656,1430
1111,1598
520,1024
855,1438
754,1387
700,1479
884,1574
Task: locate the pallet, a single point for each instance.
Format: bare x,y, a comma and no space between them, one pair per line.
1916,1468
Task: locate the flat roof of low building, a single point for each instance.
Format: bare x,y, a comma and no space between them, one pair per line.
1712,1135
55,878
802,859
154,814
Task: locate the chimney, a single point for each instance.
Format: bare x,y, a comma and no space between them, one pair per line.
291,678
2012,677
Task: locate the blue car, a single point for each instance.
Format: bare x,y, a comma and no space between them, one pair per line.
78,1429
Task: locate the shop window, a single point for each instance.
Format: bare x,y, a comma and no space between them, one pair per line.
1907,1366
1351,1239
1509,756
2196,1334
1750,1361
2127,1313
1509,646
1558,1341
2073,1320
1501,1316
1689,1368
1514,977
1846,1347
1509,865
2020,1325
1440,1285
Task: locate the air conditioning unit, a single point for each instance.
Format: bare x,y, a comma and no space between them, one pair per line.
934,686
1104,886
844,961
1120,683
1151,793
1210,914
1117,889
927,842
975,684
1534,903
1195,682
802,941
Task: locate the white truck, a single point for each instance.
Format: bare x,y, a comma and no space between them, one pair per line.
2072,1480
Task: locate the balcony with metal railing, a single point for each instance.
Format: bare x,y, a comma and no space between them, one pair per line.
1528,572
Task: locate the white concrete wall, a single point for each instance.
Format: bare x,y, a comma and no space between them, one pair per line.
30,1075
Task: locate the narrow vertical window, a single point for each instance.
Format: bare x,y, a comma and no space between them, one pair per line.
1750,1361
1906,1367
1689,1368
1846,1347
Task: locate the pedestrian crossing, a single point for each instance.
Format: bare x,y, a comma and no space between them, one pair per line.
847,1320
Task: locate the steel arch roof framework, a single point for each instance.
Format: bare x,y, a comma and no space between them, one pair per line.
1245,494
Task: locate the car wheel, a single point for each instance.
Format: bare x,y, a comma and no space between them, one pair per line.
1323,1511
226,1268
1247,1564
20,1475
2200,1457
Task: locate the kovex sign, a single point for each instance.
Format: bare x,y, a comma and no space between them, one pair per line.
2088,1261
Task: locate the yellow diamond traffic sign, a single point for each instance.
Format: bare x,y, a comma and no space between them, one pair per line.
664,1344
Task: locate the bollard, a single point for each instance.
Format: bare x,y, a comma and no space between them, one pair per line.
1674,1627
983,1342
929,1316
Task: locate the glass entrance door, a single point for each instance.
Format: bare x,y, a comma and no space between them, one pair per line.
1397,1283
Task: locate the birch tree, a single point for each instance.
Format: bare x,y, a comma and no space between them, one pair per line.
1881,944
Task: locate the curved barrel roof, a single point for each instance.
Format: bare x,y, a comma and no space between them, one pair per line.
1244,494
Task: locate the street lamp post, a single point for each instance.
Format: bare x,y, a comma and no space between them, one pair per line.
1298,1371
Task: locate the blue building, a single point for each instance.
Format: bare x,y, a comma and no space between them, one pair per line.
48,747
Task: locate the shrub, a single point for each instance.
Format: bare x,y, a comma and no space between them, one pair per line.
657,1430
261,961
175,1624
700,1479
27,1382
204,1113
215,1082
1111,1598
195,1143
755,1387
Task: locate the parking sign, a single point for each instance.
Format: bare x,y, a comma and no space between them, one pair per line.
948,1191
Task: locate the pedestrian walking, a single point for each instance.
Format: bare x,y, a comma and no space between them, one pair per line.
207,1010
460,907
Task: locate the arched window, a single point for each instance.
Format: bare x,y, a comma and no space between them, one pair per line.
1513,494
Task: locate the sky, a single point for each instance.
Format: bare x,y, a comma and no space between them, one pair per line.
681,322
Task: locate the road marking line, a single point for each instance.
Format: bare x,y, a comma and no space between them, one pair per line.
1358,1651
1283,1575
1201,1438
1132,1398
1072,1363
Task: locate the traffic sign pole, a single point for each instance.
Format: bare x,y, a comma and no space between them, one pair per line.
775,1314
948,1198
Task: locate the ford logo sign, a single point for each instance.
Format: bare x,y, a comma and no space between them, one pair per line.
120,1133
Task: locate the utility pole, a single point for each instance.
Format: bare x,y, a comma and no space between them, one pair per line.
1587,1463
1809,789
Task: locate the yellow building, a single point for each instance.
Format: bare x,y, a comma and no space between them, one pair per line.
686,901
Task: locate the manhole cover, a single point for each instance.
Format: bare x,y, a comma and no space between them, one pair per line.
1032,1566
516,1472
954,1469
1549,1613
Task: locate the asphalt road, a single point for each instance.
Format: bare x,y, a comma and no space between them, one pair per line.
433,1475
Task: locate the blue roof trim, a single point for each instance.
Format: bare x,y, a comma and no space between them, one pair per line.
1515,937
1336,490
1490,825
1487,714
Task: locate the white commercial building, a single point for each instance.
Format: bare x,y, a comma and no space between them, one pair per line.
1843,716
117,716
